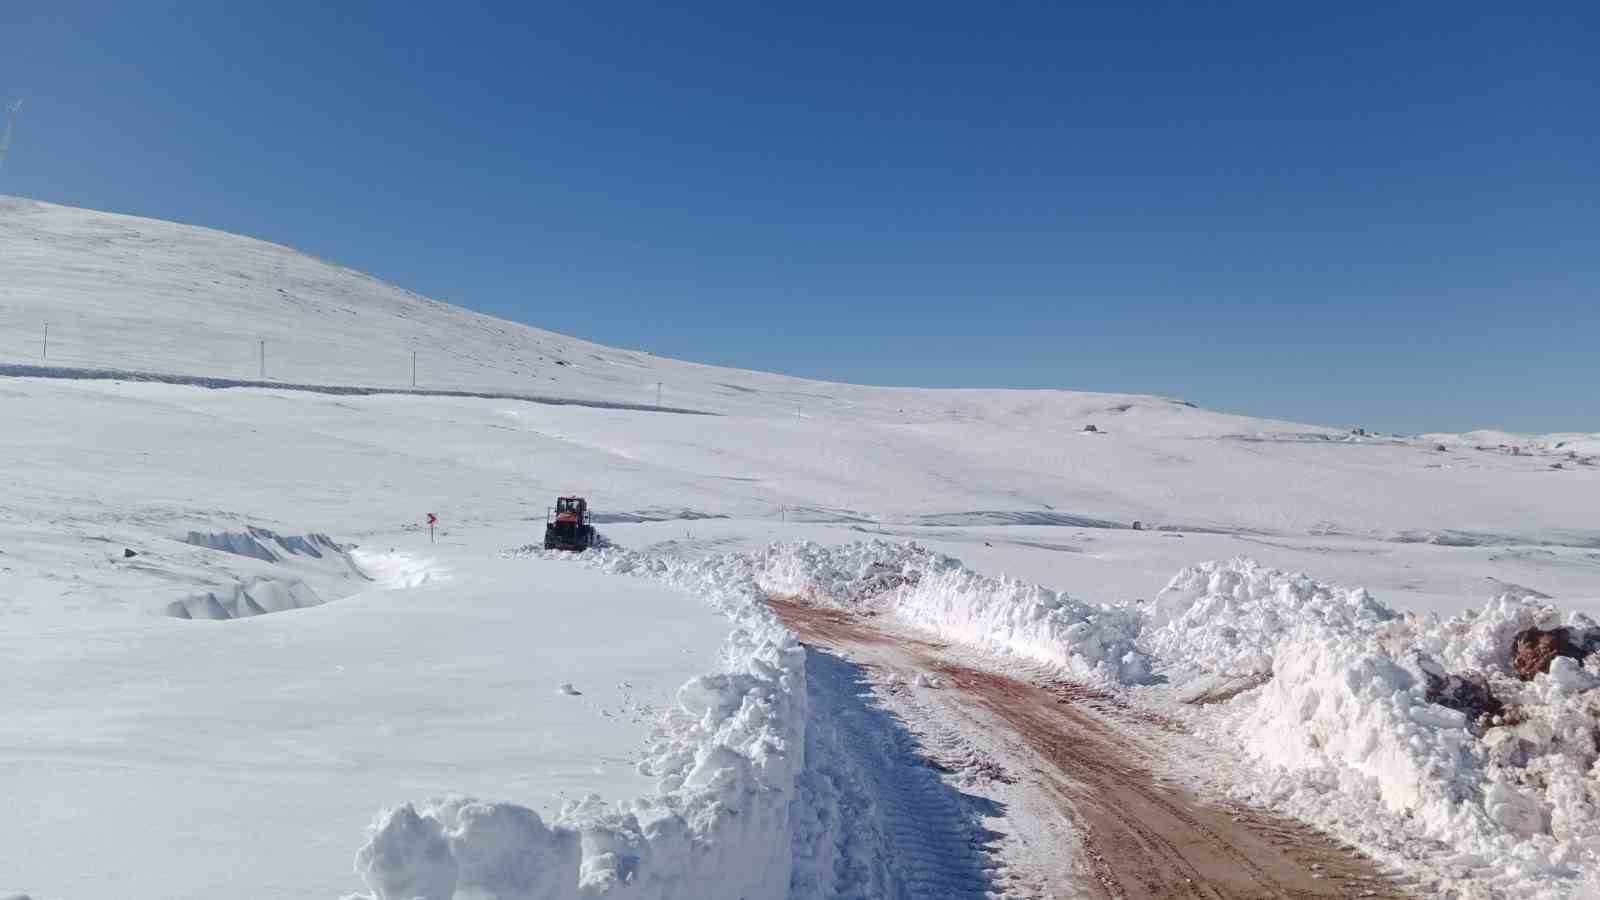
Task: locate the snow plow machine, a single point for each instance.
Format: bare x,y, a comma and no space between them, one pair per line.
567,527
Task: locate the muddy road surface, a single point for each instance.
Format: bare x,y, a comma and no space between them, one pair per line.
1085,768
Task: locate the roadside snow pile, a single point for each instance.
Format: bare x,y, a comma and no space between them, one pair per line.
936,592
1229,618
727,759
1427,720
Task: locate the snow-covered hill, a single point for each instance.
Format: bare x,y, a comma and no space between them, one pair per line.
1571,444
131,293
126,292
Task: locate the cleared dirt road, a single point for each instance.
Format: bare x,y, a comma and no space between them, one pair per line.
1103,767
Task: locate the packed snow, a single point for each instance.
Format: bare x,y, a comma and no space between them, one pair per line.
226,626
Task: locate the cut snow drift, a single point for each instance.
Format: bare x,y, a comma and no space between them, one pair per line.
250,597
312,557
268,546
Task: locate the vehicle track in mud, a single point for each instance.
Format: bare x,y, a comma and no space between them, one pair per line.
1102,765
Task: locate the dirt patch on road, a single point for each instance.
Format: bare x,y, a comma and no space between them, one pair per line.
1145,836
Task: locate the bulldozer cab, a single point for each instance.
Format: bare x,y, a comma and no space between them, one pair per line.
571,509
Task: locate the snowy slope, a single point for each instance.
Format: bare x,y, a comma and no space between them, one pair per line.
121,291
142,294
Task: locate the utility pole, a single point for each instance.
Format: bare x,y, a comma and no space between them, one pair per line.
263,358
413,368
45,353
658,395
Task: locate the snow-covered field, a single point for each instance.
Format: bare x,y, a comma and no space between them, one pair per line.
153,751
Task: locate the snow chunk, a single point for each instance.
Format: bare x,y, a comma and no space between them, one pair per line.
408,857
1229,618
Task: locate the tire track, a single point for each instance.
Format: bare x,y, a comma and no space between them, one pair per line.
930,844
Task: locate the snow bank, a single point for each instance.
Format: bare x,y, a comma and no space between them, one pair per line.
936,592
1414,719
727,762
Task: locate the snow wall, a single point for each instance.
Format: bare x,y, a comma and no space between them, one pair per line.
937,593
1397,729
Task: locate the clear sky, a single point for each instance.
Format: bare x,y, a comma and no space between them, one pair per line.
1384,215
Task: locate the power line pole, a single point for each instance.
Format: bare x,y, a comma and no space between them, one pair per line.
413,368
45,353
263,358
658,395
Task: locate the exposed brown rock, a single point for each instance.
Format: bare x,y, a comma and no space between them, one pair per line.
1533,648
1469,694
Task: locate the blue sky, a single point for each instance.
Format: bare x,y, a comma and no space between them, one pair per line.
1377,215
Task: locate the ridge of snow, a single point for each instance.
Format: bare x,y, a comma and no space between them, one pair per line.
936,592
1229,618
257,543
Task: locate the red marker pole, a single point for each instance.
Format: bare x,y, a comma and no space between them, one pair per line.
432,520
